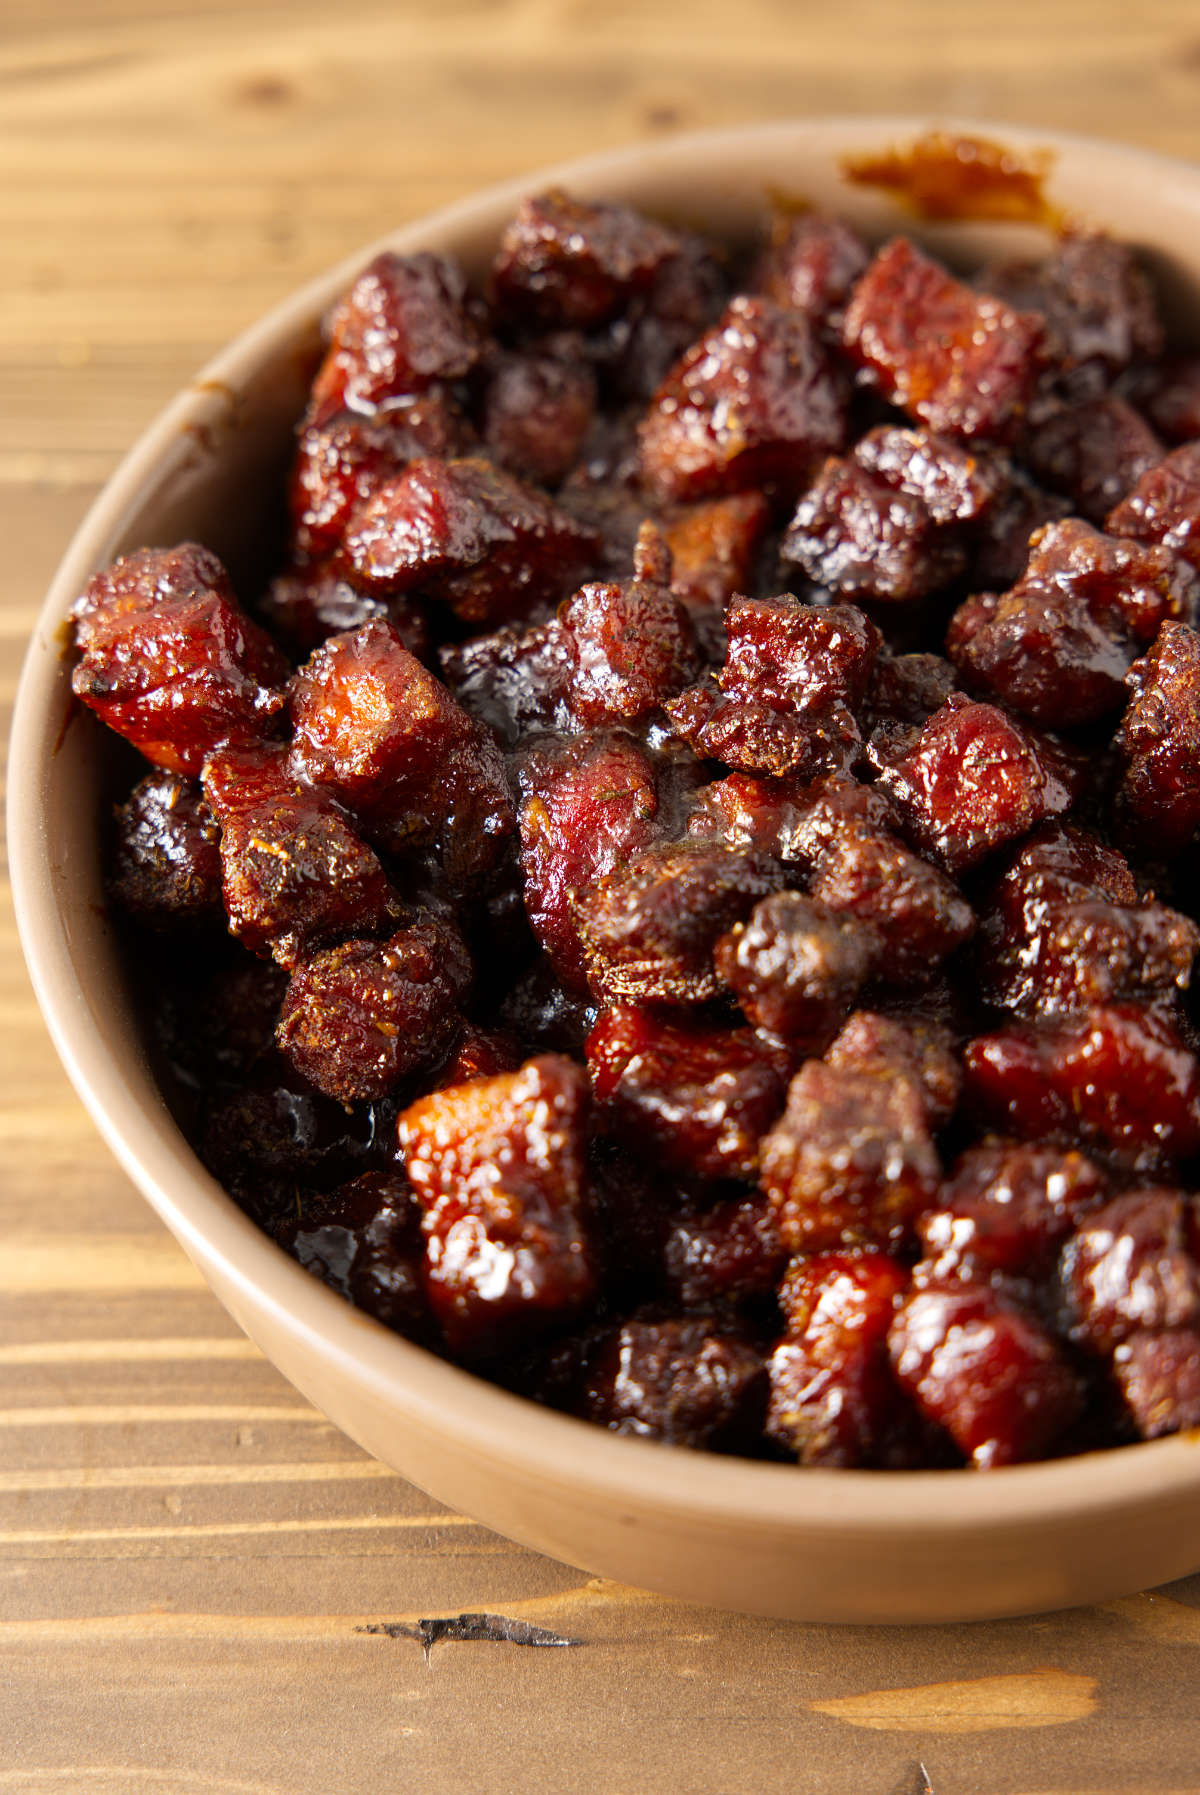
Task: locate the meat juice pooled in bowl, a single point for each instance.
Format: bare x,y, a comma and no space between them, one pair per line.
678,894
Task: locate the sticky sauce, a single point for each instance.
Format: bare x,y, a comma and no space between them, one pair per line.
941,176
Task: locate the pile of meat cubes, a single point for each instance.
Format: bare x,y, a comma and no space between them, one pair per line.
680,894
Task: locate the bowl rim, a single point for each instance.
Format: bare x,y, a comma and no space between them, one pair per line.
408,1380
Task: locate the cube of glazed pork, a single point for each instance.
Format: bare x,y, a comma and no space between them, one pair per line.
724,1252
1158,1375
887,521
360,1017
713,547
756,402
403,326
1164,506
564,262
374,726
1058,646
295,871
1133,1264
342,459
167,860
811,265
700,1097
833,1400
498,1168
632,647
1158,801
586,804
649,927
536,413
1116,1074
686,1380
470,535
912,1047
959,361
1066,926
1097,303
792,678
986,1370
1008,1209
170,660
971,780
851,1162
795,967
1095,453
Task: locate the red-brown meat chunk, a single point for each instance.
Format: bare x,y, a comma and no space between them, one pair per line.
851,1163
755,737
167,860
586,805
632,646
840,832
918,913
985,1370
536,414
1066,927
1164,506
311,601
469,535
796,967
1159,740
345,458
1134,586
1008,1208
1169,394
971,780
364,1240
1003,534
294,869
887,521
1158,1376
799,658
381,732
1094,453
1039,650
1058,646
957,360
811,265
1118,1075
498,1167
724,1254
792,678
1095,298
714,547
833,1399
360,1017
756,402
701,1097
170,660
403,325
564,262
912,1047
687,1381
649,927
1133,1265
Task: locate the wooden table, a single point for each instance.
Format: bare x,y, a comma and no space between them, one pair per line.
189,1554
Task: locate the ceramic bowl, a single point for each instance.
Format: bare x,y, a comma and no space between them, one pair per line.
766,1538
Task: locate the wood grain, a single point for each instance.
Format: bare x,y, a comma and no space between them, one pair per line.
188,1552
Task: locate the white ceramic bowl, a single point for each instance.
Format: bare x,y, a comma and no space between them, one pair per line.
772,1539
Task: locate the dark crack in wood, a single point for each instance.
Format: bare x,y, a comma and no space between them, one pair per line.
491,1629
